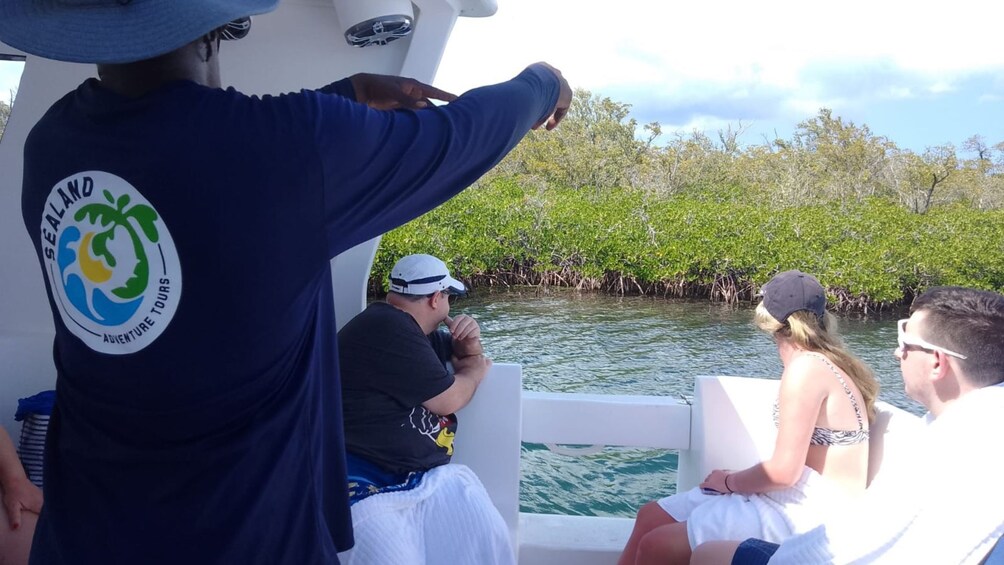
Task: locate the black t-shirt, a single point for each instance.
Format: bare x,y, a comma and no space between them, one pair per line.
389,368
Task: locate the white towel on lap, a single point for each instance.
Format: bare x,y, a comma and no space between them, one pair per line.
447,518
773,516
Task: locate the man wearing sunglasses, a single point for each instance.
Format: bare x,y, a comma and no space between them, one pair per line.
945,506
402,380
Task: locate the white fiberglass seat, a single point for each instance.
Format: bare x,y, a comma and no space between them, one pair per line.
488,439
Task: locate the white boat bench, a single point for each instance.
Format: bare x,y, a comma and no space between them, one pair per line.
728,426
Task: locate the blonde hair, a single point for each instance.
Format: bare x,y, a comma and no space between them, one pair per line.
811,333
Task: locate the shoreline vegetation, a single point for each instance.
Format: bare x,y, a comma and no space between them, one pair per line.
871,255
598,209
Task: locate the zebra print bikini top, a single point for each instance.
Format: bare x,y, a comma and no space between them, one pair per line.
827,436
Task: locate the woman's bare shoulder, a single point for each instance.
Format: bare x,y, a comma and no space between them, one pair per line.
806,367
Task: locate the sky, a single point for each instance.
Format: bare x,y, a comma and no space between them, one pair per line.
920,73
10,74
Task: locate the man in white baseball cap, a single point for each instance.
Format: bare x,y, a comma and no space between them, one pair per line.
423,274
394,361
403,381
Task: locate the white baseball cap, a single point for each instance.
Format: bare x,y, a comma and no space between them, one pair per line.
423,274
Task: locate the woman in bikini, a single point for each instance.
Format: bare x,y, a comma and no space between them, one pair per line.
820,457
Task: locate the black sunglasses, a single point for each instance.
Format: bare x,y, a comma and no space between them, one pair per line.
450,296
237,29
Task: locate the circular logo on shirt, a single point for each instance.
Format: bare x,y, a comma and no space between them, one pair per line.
111,263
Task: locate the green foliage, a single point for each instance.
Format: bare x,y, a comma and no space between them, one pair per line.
592,205
869,253
594,147
827,159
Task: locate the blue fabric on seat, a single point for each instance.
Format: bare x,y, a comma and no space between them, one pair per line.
754,552
40,403
33,413
366,479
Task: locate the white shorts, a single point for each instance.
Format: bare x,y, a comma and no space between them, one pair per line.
773,516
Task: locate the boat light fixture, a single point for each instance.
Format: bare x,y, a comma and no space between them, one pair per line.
374,22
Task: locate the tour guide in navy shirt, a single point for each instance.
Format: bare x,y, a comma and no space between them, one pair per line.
184,232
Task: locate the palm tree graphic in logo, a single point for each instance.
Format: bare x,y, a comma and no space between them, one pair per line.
110,260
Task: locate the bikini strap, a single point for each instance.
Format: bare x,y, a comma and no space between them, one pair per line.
847,389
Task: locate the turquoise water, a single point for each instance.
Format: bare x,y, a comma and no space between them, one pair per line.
570,342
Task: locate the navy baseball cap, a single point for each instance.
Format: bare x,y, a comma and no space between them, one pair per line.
791,291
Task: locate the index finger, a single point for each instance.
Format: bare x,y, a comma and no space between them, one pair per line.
422,90
433,92
460,323
559,115
448,321
465,331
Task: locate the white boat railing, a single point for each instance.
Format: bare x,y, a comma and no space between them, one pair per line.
728,425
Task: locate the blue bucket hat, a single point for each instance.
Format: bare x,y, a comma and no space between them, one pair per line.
115,31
